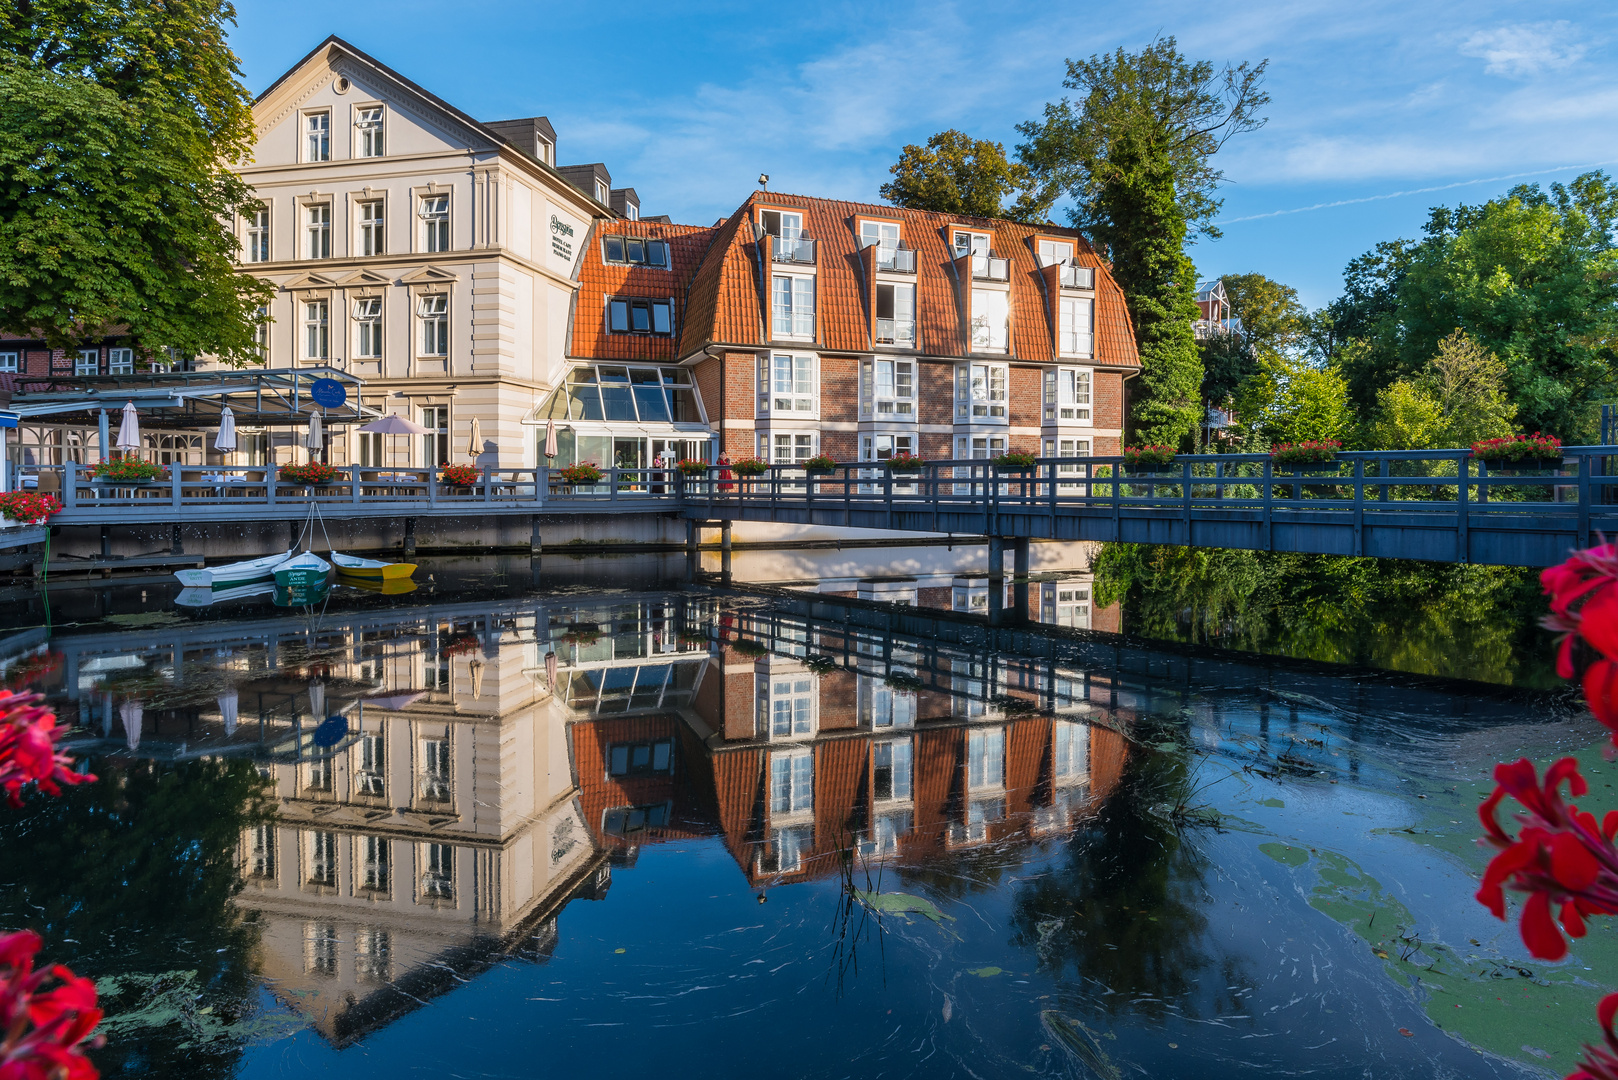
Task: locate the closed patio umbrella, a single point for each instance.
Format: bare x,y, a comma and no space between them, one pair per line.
315,440
129,429
474,445
317,698
225,440
550,670
229,704
130,713
550,438
476,668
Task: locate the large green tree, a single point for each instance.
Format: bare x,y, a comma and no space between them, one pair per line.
1531,277
1135,155
957,174
1272,320
118,124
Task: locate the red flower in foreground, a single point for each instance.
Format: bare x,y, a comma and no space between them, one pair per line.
42,1030
1584,607
1561,857
28,752
1601,1063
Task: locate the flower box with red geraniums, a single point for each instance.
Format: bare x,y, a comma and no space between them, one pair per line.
28,507
315,472
1534,451
1016,461
820,464
459,475
583,473
463,645
1148,457
691,466
905,462
1311,455
582,635
127,470
750,467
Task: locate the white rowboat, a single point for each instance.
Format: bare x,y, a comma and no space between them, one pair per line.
233,575
304,570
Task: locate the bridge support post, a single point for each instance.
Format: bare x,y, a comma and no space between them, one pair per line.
1019,571
724,550
176,543
106,541
410,538
997,581
536,543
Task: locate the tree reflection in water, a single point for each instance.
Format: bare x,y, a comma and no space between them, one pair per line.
1124,913
129,880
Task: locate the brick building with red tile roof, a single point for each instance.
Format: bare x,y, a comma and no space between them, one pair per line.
817,326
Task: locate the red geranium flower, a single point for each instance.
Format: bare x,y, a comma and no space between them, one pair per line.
1561,857
1601,1063
1584,607
42,1031
28,753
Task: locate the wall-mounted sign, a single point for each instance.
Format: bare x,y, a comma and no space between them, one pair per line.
328,393
562,249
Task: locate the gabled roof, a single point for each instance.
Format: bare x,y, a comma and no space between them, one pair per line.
728,298
599,279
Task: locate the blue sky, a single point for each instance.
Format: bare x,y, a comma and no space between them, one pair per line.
1380,109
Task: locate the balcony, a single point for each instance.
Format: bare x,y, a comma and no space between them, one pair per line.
1077,277
799,250
896,260
901,332
989,268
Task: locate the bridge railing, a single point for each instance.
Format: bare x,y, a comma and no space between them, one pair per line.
1389,480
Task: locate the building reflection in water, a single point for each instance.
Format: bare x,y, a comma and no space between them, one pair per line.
448,778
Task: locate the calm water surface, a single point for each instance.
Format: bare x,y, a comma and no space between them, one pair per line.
593,820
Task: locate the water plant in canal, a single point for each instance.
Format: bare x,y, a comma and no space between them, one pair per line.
46,1016
28,751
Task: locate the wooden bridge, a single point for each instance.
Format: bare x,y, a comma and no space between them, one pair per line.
1439,505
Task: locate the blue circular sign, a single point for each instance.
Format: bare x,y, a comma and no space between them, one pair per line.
331,731
328,393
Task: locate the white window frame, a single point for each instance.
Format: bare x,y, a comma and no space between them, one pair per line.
901,754
433,211
792,783
967,242
986,759
373,871
370,125
789,385
1075,326
120,361
903,320
788,705
372,225
881,707
881,234
432,313
1053,252
991,320
436,882
261,332
1069,395
788,447
883,384
788,233
368,328
9,362
876,446
317,135
792,307
982,393
258,236
317,230
317,329
87,362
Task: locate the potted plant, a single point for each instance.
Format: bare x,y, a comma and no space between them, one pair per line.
692,467
582,635
28,507
127,471
820,464
821,665
749,647
459,476
463,645
1148,459
904,682
310,475
584,473
904,461
1309,456
1015,461
750,467
1534,451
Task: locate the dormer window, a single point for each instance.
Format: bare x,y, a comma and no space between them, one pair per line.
1054,252
627,315
970,243
545,151
779,223
635,251
601,192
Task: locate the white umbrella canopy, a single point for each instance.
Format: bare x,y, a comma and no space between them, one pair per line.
474,445
130,713
392,424
550,438
317,699
229,708
550,670
129,429
225,440
315,439
476,668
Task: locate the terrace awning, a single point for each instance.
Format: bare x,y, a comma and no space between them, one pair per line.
188,399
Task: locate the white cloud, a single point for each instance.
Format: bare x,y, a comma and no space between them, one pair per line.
1522,50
